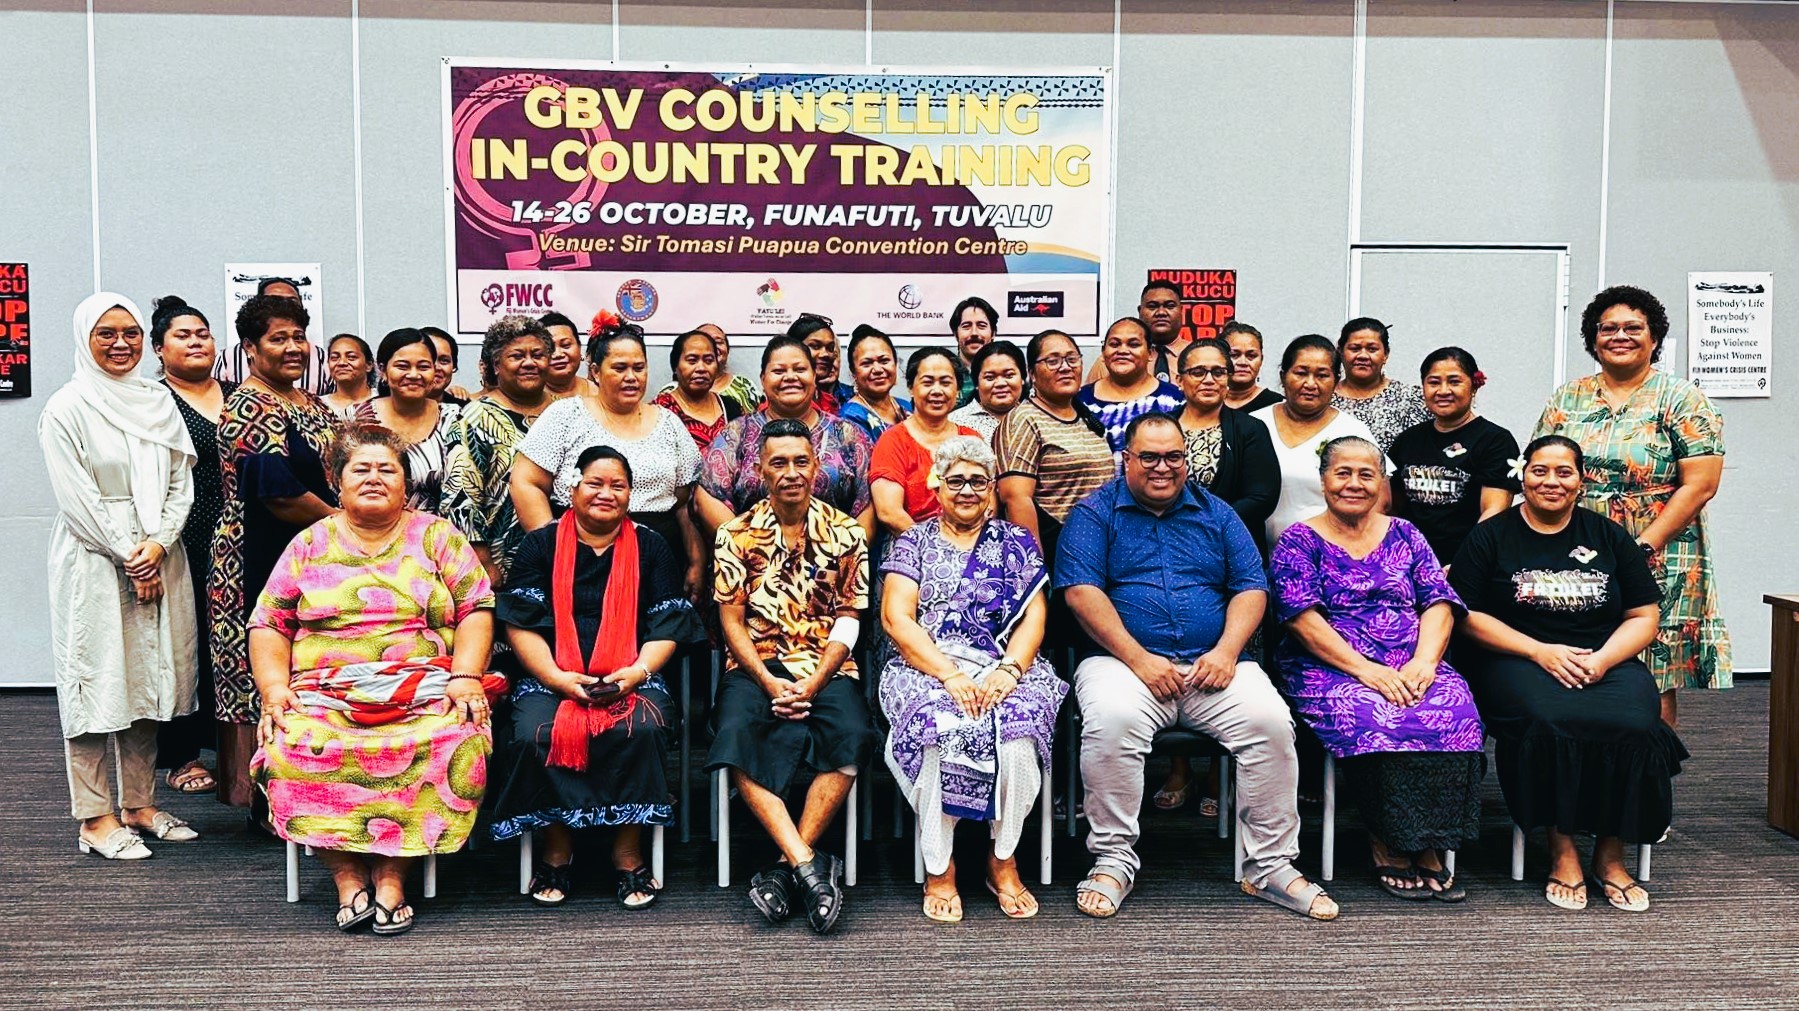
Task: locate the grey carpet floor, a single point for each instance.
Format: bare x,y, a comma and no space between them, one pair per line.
204,924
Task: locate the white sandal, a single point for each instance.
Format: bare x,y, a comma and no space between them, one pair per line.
120,844
169,828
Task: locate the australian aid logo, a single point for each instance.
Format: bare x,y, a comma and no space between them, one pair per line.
531,299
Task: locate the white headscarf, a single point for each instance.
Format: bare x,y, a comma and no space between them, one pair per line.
142,409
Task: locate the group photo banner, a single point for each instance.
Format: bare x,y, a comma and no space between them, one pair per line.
674,195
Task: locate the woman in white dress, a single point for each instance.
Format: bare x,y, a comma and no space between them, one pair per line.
121,607
1301,425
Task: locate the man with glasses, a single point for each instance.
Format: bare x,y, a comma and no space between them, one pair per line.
1165,578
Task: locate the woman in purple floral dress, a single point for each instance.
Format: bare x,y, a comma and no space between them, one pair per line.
1369,612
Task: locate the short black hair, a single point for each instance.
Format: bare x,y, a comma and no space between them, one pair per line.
404,337
1630,297
769,349
808,324
864,332
553,318
782,428
1361,323
1462,359
258,311
263,286
1543,442
916,360
676,350
594,454
1152,418
1311,342
439,333
1215,343
973,302
1238,326
1000,348
1159,286
168,309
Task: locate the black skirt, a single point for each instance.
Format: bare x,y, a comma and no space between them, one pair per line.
1595,760
624,784
747,735
1417,800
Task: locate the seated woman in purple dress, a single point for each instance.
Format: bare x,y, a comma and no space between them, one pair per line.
1369,613
972,705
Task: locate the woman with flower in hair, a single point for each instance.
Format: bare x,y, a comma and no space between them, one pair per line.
1456,469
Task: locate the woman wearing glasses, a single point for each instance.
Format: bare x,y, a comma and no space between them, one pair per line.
1229,454
1654,452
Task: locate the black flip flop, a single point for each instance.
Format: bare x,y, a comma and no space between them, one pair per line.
385,923
1384,871
1448,888
356,919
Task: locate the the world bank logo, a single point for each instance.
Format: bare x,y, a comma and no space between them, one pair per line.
909,298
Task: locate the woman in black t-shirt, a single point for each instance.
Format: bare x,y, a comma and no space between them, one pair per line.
1454,470
1561,602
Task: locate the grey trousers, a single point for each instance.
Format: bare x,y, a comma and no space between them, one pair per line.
90,778
1119,718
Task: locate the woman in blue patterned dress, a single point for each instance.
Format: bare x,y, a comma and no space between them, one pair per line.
971,704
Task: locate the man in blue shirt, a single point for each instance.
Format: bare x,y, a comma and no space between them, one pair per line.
1167,581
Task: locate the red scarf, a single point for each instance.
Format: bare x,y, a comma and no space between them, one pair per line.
615,647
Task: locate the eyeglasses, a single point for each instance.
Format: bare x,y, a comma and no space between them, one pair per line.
1628,329
959,482
107,335
1156,461
1203,372
1056,363
826,320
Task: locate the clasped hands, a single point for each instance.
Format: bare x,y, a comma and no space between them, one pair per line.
791,699
1404,686
1573,666
977,699
144,568
1167,681
573,684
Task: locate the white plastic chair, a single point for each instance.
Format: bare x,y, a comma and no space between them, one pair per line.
525,844
293,872
1328,851
1046,816
1644,865
721,810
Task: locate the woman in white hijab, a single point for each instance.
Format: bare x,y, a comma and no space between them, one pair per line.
121,610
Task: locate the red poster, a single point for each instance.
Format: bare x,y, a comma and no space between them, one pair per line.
15,330
1208,299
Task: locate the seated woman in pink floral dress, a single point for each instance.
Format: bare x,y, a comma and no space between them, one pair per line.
1368,613
369,646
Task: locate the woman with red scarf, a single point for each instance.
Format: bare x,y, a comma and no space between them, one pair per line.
594,608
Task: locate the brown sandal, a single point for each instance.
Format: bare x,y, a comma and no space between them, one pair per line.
191,778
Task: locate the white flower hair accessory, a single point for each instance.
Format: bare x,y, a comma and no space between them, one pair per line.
1517,468
933,480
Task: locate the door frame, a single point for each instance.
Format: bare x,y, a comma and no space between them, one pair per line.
1563,260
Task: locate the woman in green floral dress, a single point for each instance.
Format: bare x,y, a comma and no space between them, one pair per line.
1654,454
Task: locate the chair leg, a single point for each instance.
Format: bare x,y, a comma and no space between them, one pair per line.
656,855
524,863
1449,862
721,821
293,872
1046,807
850,839
713,809
1225,793
1517,853
431,876
686,764
1328,846
918,851
1073,800
1643,862
1239,855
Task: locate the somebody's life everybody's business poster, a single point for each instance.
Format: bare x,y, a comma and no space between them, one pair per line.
745,196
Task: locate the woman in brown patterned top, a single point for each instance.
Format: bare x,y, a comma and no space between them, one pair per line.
1386,405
